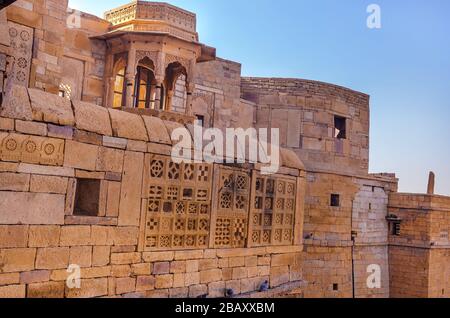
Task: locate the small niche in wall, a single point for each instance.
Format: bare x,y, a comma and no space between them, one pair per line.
335,200
335,287
87,197
340,127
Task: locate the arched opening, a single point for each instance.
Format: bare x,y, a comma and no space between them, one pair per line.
175,83
145,92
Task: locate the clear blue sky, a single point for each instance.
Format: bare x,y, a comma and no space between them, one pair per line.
405,66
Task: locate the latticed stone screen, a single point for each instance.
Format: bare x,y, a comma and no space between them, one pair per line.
185,211
232,208
178,205
272,212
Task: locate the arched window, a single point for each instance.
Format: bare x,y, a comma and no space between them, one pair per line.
119,89
176,88
145,85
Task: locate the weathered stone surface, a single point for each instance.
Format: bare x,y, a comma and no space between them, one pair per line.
130,198
80,156
92,118
31,208
17,259
113,142
101,255
52,258
44,236
46,290
38,276
110,160
127,125
31,128
87,137
16,103
52,171
64,132
157,130
89,288
12,291
81,256
12,236
14,181
48,184
6,123
51,108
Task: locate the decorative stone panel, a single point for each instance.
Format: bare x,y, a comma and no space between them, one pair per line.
231,212
31,149
272,210
178,205
22,46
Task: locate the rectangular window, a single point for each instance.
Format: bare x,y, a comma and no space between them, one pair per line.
340,127
201,120
395,228
335,200
335,287
87,197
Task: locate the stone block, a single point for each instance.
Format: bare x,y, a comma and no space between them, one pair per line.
110,160
125,285
12,291
192,279
112,142
161,268
31,128
7,123
141,269
87,137
179,280
64,132
92,118
52,171
113,198
101,255
14,182
164,281
197,291
52,258
48,184
159,257
16,103
127,125
31,208
51,108
13,236
17,259
80,156
130,198
75,235
89,288
81,256
188,255
44,236
125,258
178,267
182,292
157,130
209,276
240,272
46,290
10,279
216,290
145,283
34,277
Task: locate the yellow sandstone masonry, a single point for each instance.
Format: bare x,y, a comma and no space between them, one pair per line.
87,178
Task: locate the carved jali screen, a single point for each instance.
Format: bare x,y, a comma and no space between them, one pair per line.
178,205
272,213
231,217
22,45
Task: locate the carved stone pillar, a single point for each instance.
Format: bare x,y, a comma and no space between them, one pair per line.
431,182
130,78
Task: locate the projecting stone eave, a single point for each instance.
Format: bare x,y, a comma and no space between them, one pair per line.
206,53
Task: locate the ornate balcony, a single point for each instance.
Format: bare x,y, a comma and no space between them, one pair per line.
155,17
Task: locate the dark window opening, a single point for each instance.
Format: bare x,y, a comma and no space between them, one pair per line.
395,229
201,120
335,287
62,93
335,200
87,197
370,206
120,89
340,127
